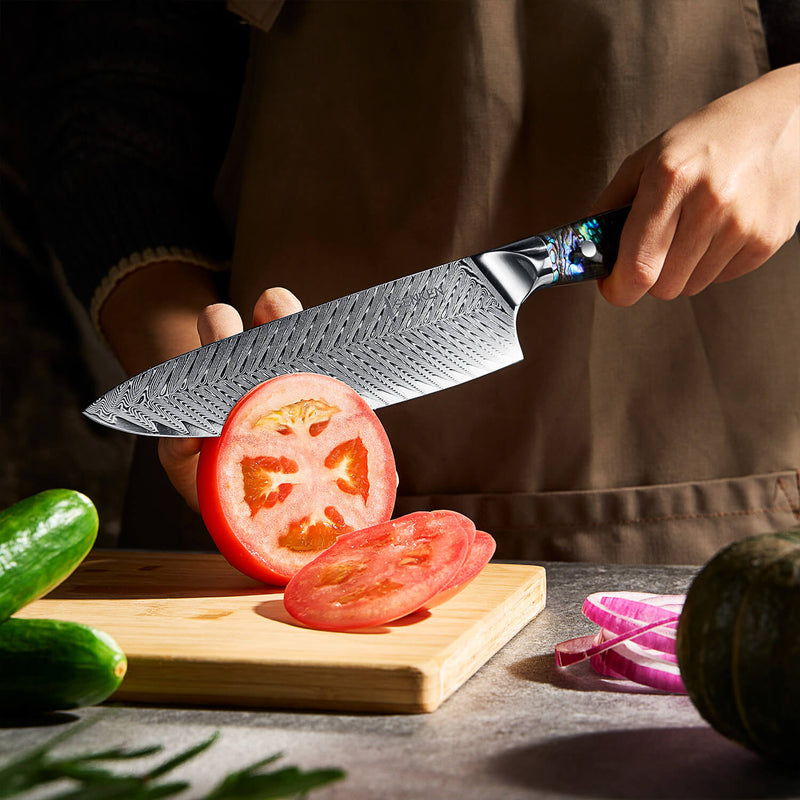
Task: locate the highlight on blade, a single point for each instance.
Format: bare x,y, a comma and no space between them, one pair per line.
410,337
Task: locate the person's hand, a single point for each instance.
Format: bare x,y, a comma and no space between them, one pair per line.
713,197
179,456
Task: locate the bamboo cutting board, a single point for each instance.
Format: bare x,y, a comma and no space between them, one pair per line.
198,632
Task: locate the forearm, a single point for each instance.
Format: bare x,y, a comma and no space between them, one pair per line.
132,106
152,314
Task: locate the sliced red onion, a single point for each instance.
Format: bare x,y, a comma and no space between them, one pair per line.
634,607
600,666
622,612
636,638
574,650
644,666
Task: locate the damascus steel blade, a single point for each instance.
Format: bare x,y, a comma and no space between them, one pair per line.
404,339
400,340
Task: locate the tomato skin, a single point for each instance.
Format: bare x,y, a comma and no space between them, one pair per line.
229,545
301,460
379,574
480,553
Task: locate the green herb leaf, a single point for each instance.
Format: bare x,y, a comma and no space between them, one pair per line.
249,784
186,755
119,753
122,788
90,781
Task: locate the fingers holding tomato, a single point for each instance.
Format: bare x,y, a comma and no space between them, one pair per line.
179,457
274,303
218,321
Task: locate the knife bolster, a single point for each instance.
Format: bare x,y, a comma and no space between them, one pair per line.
517,269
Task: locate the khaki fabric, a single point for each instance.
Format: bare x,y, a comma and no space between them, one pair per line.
380,138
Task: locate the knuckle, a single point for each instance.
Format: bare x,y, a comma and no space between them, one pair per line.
673,173
737,228
717,200
636,277
643,273
764,243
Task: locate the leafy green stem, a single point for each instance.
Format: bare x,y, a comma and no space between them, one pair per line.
83,777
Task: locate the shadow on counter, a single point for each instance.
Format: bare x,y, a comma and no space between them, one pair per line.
656,763
579,677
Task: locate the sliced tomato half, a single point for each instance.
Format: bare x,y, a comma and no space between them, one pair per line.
380,574
478,556
302,460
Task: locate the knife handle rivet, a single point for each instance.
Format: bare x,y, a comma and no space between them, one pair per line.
583,251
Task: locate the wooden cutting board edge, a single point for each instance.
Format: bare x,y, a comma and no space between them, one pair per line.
453,667
329,687
479,627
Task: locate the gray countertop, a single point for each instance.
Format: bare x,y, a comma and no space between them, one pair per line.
519,728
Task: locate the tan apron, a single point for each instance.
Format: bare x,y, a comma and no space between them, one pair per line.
380,138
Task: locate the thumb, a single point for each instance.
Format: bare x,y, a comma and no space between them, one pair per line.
179,457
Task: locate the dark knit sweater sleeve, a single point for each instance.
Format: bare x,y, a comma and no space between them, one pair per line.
134,104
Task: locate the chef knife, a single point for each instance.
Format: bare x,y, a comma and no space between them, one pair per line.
403,339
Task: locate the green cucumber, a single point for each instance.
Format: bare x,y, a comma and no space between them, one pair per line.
42,540
53,665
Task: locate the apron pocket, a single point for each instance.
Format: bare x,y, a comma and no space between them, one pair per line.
680,523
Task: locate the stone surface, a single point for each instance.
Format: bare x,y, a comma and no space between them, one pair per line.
519,728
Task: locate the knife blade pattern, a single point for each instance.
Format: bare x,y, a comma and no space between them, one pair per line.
413,336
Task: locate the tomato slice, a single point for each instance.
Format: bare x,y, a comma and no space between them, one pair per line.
480,553
302,460
380,574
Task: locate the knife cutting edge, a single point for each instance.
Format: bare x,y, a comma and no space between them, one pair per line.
403,339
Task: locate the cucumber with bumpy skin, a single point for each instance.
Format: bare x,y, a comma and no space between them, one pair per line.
42,540
53,665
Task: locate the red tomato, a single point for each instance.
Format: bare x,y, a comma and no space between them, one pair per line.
480,553
376,575
301,460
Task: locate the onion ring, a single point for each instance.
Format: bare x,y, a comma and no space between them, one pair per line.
636,639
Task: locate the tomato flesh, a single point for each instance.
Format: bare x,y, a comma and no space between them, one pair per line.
301,460
349,461
262,489
373,576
